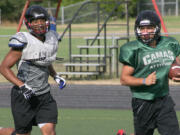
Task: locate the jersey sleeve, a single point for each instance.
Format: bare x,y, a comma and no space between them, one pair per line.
127,55
17,41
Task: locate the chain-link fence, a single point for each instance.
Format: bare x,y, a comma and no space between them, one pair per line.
89,12
166,7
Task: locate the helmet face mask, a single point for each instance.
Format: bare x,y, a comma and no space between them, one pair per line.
37,20
147,33
38,26
147,27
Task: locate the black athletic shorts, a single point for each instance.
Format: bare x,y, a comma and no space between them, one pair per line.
158,113
39,109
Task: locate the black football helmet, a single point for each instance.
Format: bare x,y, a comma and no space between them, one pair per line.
147,18
37,12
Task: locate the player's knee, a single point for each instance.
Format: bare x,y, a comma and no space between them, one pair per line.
47,128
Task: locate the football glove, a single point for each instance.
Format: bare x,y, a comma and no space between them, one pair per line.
27,91
60,81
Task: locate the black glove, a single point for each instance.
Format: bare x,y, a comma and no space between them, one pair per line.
27,91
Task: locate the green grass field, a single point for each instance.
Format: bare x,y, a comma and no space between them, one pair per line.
63,51
84,121
170,22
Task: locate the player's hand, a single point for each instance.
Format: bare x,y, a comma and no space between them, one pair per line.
176,79
27,91
151,79
60,81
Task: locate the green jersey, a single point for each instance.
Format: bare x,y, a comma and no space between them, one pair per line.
145,60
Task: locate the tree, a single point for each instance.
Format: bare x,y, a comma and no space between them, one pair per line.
11,9
132,6
68,2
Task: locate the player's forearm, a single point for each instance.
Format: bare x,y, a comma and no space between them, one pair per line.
132,81
52,71
178,60
10,76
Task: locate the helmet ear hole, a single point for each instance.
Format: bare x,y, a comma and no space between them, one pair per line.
147,18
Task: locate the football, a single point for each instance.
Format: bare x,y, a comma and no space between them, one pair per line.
174,70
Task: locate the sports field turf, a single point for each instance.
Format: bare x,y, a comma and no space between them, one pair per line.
84,121
85,29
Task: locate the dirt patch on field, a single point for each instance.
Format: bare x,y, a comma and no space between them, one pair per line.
114,81
95,82
105,82
9,24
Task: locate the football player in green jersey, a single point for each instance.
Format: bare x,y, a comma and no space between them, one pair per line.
146,63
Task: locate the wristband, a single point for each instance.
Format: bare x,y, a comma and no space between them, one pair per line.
144,81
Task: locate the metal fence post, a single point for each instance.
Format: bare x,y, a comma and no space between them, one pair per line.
62,15
0,16
177,8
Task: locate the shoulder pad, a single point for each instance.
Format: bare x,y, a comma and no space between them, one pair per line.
18,40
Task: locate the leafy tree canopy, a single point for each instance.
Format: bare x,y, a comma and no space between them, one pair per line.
11,9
